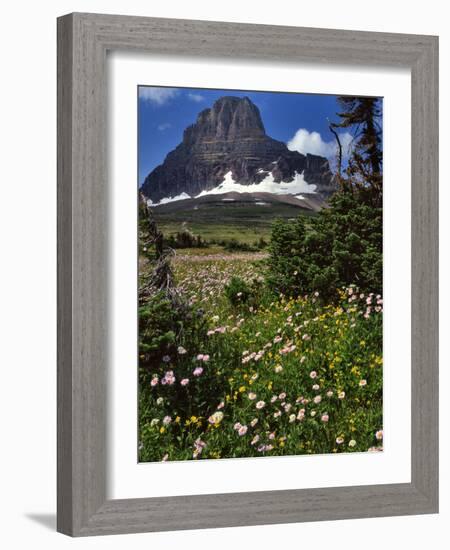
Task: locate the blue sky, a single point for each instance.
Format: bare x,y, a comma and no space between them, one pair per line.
300,120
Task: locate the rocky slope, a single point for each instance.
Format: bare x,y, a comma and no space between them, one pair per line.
230,137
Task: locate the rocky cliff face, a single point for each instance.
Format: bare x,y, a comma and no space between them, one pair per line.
230,136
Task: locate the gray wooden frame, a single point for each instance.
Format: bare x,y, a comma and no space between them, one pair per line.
83,41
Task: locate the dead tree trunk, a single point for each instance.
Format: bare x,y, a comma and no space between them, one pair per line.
162,277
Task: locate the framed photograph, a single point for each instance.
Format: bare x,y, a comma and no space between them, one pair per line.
247,274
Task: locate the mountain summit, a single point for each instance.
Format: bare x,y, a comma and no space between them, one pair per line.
229,142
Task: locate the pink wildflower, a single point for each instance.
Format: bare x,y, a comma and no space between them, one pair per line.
242,430
264,448
169,378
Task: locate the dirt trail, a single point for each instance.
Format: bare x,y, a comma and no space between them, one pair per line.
248,256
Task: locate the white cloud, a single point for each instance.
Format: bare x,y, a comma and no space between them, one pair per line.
311,142
164,126
157,96
196,97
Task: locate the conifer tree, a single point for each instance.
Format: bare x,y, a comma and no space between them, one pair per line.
343,244
362,115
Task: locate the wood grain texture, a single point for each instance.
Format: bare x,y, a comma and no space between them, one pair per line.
82,263
425,272
83,41
64,336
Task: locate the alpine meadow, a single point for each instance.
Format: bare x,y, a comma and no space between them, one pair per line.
260,274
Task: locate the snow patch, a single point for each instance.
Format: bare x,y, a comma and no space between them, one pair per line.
267,185
165,200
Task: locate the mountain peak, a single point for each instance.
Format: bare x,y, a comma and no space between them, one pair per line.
229,137
229,119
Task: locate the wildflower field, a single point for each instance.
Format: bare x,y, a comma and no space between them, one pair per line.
236,369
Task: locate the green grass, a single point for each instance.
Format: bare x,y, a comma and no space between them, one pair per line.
211,231
245,223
